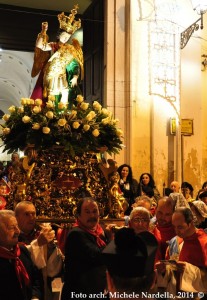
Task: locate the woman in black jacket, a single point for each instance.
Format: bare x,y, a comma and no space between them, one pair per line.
128,185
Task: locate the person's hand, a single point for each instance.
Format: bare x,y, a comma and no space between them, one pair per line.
74,81
44,26
46,236
109,231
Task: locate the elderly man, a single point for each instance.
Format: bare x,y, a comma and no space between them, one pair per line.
45,255
139,219
84,268
20,279
188,251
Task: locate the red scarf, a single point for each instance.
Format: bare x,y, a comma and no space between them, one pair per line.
21,272
97,232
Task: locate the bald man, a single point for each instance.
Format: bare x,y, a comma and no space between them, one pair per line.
163,230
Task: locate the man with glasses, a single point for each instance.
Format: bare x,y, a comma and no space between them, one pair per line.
139,219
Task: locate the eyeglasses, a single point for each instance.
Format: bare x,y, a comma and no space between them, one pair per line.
140,220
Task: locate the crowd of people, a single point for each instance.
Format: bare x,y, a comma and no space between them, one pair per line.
103,258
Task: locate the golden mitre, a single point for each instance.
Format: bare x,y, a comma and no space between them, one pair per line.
68,23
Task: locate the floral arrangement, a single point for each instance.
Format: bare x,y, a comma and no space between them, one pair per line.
84,128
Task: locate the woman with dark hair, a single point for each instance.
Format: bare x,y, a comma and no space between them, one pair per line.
128,185
145,180
187,191
204,186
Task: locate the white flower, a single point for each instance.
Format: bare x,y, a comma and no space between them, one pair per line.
11,109
95,132
6,117
79,98
38,102
86,127
76,125
36,126
84,105
26,119
49,114
61,105
36,109
90,115
46,130
50,104
6,130
62,122
97,105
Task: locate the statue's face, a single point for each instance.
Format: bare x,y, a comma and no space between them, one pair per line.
64,37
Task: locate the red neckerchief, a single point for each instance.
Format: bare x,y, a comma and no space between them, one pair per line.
21,272
97,232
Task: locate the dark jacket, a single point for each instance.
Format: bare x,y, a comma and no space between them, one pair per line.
84,269
9,285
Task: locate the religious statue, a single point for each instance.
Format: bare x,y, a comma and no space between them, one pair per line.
60,63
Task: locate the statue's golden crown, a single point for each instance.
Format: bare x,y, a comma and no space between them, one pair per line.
68,23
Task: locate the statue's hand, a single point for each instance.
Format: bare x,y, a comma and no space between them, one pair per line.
74,81
44,26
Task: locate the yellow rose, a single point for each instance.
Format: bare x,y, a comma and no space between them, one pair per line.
23,101
51,98
6,117
36,109
20,109
105,111
105,121
12,109
46,130
84,105
73,114
49,114
86,127
61,105
115,121
26,119
76,125
62,122
90,115
50,104
32,102
79,98
6,130
28,100
38,102
95,132
97,105
36,126
119,132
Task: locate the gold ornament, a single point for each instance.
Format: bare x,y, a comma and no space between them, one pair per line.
68,23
